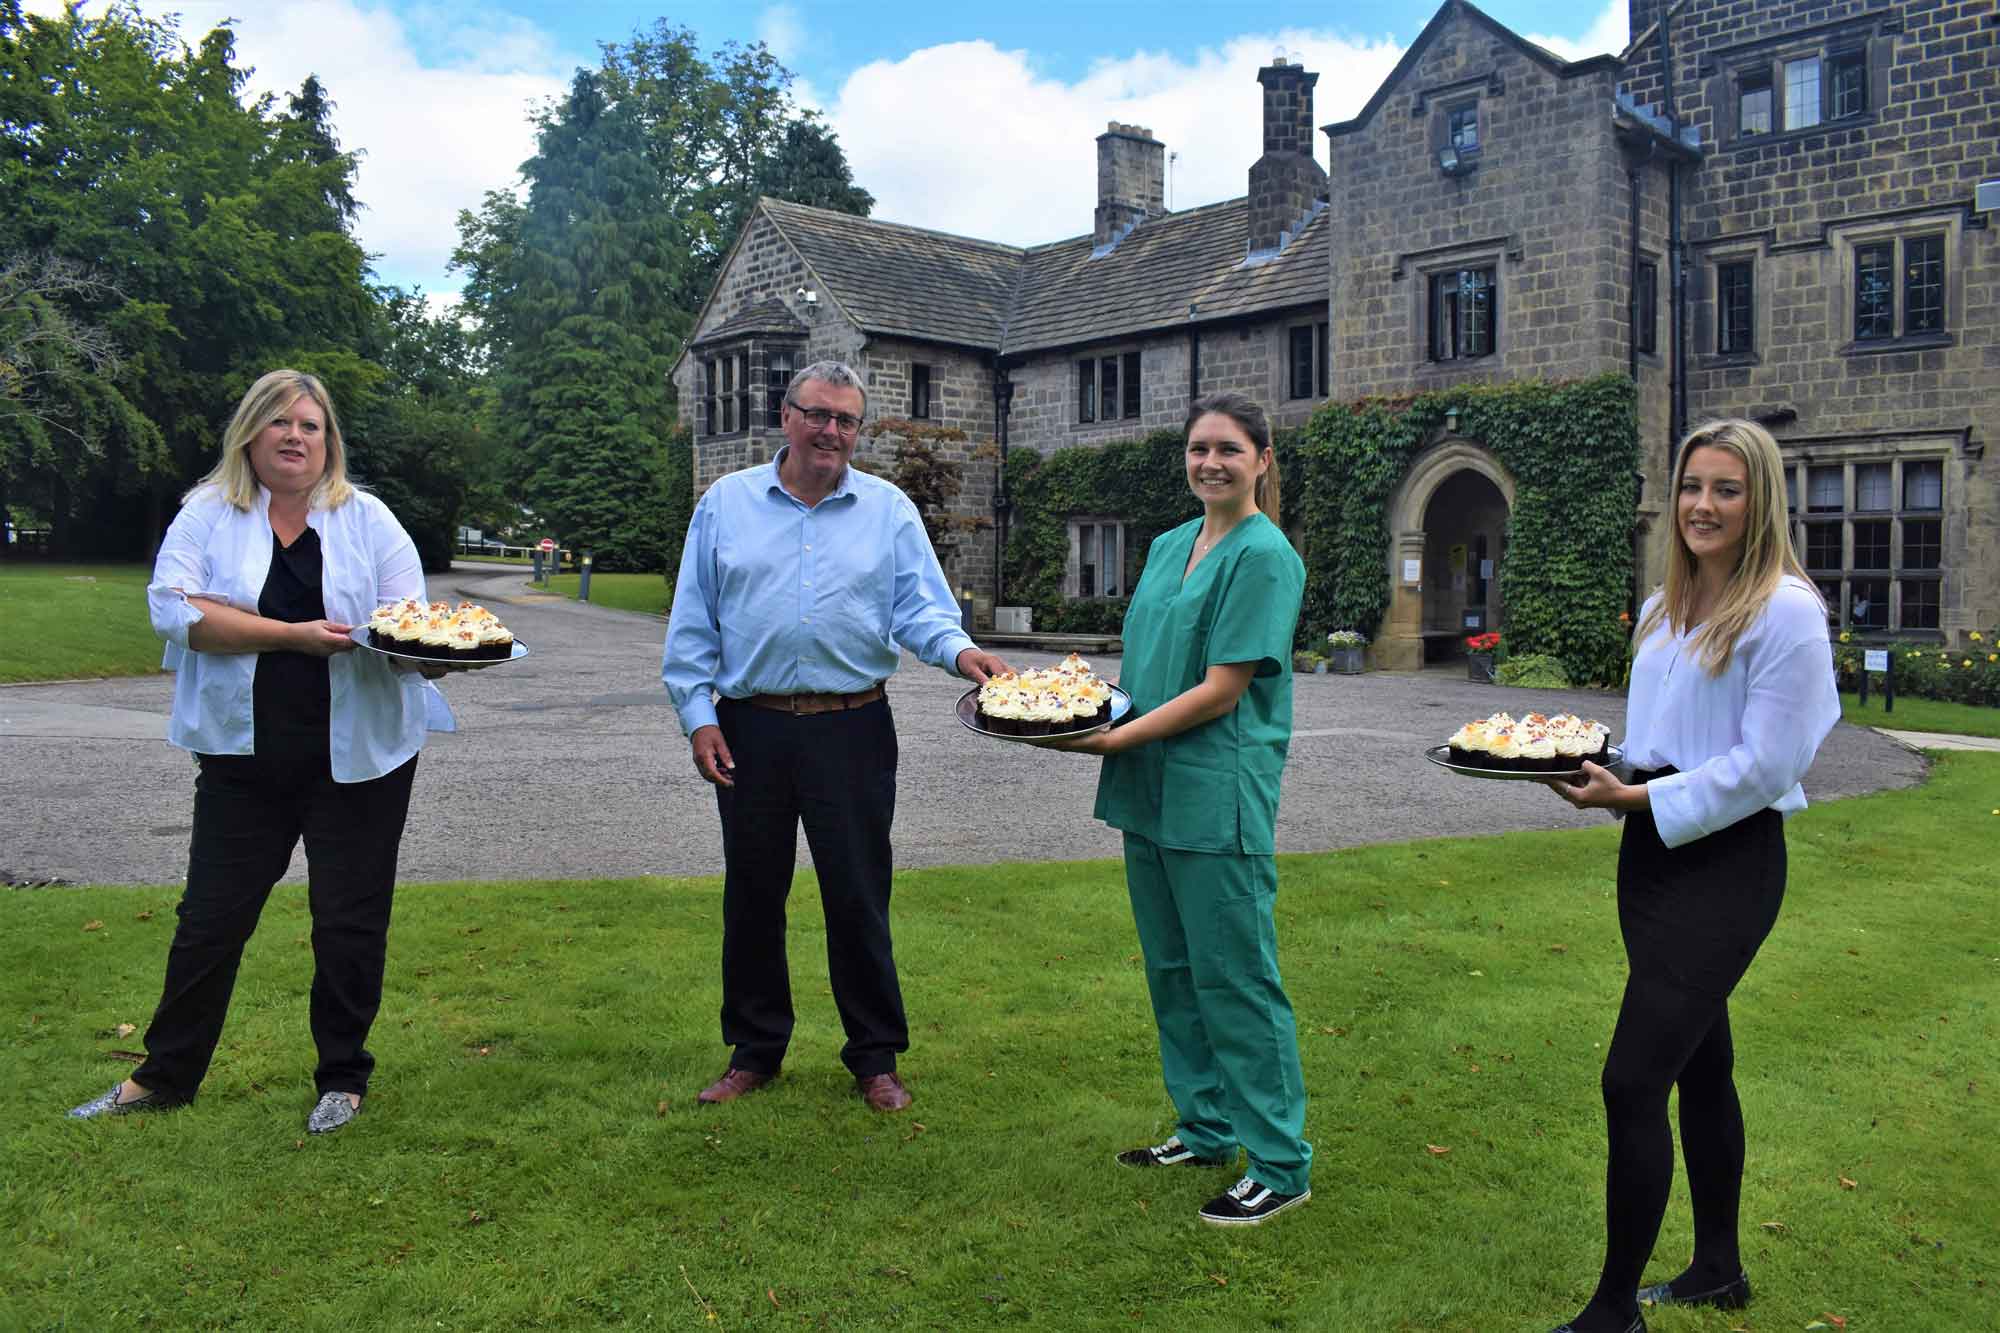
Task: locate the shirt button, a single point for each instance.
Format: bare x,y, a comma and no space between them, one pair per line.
809,546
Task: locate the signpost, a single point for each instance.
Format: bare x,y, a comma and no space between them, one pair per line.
1877,659
545,552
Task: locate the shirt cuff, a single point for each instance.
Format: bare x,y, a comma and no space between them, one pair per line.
953,644
697,713
173,616
1674,814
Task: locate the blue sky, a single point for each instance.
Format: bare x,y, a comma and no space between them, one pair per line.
977,119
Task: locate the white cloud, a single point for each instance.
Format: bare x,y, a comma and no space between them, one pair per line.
435,131
1609,33
783,30
968,138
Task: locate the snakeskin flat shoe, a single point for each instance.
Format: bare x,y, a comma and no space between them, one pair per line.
333,1111
109,1104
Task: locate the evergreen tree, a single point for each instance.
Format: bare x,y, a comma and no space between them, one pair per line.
808,167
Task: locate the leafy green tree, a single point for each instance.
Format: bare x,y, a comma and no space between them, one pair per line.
807,167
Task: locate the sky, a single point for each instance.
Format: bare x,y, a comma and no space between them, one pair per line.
975,119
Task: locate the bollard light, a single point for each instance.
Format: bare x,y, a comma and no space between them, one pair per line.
583,578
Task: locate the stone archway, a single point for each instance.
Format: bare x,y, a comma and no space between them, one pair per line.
1447,525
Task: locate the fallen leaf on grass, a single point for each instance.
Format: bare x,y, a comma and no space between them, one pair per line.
772,1297
1434,1150
1218,1279
124,1029
93,925
1475,972
1558,948
146,915
1776,1228
660,1110
136,1057
1846,1184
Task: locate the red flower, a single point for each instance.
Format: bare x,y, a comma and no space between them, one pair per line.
1484,643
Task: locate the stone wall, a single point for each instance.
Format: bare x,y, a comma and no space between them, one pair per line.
1796,203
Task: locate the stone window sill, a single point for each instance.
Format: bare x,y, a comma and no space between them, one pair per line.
1922,342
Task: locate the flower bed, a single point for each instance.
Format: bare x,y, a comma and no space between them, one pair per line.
1967,675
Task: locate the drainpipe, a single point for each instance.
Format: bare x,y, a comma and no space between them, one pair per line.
1194,356
1633,178
1676,249
1003,400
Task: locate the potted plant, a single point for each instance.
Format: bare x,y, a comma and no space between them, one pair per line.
1305,661
1346,652
1479,652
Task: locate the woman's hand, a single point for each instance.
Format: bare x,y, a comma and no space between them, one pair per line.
321,638
1598,789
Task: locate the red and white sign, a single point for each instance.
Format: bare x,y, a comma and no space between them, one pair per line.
548,543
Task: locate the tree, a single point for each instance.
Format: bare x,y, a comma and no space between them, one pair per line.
808,167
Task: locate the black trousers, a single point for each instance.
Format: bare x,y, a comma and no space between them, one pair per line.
249,813
836,774
1693,918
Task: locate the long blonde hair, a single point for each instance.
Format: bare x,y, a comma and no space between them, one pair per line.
272,393
1767,554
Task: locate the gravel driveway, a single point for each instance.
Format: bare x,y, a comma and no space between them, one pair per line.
570,764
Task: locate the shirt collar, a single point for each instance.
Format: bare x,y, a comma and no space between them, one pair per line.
843,489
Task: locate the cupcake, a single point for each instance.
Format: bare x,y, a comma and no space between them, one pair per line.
1468,745
1538,752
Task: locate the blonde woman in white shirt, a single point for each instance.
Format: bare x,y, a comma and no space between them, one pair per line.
271,561
1732,692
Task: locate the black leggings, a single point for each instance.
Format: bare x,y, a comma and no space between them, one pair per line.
1693,918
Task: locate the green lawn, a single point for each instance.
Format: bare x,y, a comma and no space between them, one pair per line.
1934,715
626,592
62,622
532,1156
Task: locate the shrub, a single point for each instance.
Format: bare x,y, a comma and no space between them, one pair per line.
1347,638
1967,675
1534,671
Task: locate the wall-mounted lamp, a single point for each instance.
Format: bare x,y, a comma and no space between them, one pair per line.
808,296
1452,163
1451,420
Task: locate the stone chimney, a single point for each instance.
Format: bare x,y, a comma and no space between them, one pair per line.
1131,181
1286,184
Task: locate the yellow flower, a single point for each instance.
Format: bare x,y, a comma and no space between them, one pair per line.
1975,636
1993,657
1966,663
1843,636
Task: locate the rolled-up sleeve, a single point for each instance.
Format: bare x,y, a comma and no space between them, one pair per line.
1790,707
925,618
693,651
180,568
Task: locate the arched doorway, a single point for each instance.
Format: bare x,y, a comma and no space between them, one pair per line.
1448,526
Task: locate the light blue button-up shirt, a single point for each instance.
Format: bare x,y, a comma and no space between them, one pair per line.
775,597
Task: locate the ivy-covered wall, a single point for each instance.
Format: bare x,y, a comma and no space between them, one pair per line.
1573,452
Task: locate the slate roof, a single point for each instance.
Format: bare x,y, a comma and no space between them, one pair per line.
909,282
769,315
904,280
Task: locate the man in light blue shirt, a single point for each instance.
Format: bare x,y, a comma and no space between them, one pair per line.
798,583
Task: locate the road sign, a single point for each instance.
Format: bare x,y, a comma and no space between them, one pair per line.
1875,659
548,543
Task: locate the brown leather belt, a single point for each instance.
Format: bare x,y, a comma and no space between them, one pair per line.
802,704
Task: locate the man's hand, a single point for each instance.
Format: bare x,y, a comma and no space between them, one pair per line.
711,756
976,665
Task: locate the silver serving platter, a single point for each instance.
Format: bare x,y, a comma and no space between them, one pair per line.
1439,755
968,714
360,636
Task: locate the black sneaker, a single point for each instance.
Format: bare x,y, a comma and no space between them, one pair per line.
1247,1203
1171,1153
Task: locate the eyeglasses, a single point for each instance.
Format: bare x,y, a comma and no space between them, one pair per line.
818,417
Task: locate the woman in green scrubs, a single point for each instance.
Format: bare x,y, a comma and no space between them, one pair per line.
1191,778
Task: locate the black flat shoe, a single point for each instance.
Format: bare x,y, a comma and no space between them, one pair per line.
1730,1296
1638,1325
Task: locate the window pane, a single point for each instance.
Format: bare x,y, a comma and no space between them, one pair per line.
1324,362
1132,401
1871,544
1753,113
920,391
1823,490
1923,285
1732,296
1462,128
1802,93
1829,592
1107,370
1920,604
1923,485
1086,391
777,374
1476,297
1823,546
1444,317
1875,291
1850,84
1871,486
1791,490
1921,543
1301,359
1868,606
1086,568
1109,559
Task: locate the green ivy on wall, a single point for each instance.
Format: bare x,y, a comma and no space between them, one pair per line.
1573,452
1142,482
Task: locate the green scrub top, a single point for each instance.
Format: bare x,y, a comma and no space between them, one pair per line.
1213,788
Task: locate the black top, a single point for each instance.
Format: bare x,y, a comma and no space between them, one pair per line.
290,699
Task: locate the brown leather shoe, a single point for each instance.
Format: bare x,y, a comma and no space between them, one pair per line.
884,1092
733,1085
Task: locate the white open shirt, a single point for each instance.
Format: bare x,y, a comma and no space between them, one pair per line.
378,714
1741,740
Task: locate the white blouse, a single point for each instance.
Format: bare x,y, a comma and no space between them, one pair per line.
1741,740
378,714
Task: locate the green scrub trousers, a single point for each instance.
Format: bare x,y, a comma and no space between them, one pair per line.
1198,811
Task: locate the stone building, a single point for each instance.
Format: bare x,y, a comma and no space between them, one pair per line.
1808,169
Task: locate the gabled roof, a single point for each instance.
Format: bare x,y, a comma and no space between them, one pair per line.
1164,273
770,315
1541,55
904,280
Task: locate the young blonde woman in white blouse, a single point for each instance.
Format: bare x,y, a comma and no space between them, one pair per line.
1732,692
